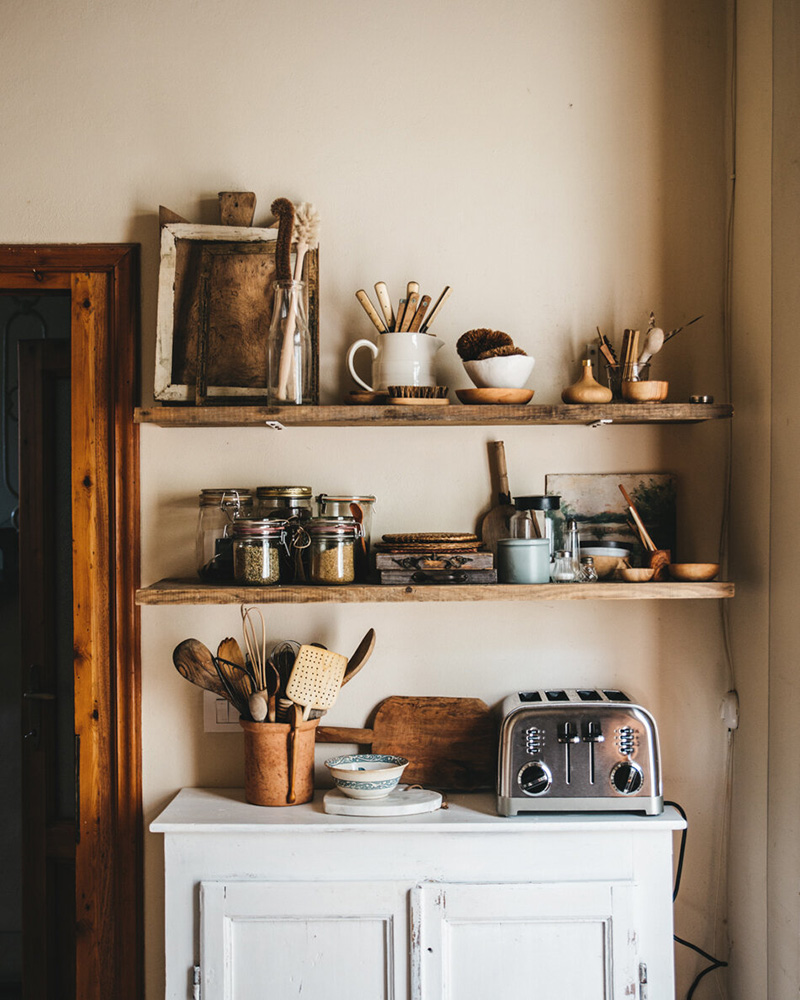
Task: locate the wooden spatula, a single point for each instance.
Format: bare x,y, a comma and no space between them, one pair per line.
316,678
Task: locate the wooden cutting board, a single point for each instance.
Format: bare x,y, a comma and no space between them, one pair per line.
450,743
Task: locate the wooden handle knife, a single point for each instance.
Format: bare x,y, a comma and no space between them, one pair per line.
385,303
411,308
437,308
419,315
369,309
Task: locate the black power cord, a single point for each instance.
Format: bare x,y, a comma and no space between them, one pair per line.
716,963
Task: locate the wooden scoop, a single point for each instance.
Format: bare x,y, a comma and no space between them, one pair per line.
194,661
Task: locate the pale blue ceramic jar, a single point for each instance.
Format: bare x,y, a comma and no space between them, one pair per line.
523,560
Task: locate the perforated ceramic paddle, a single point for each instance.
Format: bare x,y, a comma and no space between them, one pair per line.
316,678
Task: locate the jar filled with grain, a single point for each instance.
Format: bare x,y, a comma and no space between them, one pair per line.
332,550
357,507
258,547
219,508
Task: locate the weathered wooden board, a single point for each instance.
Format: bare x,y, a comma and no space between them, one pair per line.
215,298
193,592
455,415
450,743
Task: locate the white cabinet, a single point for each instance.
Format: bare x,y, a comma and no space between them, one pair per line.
460,904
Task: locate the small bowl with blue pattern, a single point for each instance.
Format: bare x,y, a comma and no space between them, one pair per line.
366,775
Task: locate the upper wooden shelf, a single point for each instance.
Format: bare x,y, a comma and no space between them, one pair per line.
455,415
171,592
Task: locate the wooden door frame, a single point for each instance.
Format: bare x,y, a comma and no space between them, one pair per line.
103,282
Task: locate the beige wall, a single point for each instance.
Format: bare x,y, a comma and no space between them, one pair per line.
561,166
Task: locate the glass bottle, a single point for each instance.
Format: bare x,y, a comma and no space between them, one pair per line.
289,375
563,570
218,510
572,543
258,544
588,571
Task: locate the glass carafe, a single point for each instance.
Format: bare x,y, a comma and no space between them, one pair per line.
289,376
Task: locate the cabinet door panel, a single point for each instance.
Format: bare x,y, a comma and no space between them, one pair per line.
315,940
556,941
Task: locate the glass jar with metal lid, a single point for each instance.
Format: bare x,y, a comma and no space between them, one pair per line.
259,545
219,508
357,507
284,502
332,550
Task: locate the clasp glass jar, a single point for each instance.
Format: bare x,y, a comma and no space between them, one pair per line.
332,550
258,545
219,508
284,502
357,508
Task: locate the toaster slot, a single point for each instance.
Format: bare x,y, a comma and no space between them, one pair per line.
529,696
616,695
585,695
556,695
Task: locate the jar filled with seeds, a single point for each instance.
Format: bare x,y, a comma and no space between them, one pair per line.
332,550
258,546
219,508
284,502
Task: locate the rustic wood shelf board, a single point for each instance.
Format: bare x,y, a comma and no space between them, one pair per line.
171,592
409,416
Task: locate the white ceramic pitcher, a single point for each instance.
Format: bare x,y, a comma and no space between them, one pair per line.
398,359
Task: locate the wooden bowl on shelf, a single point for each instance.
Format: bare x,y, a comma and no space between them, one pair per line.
693,572
643,575
645,392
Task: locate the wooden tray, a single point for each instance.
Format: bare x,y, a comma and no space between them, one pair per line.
450,743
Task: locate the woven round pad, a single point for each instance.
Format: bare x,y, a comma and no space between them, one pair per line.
424,537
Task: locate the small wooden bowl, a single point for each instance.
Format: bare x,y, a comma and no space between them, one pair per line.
503,396
693,572
645,392
635,575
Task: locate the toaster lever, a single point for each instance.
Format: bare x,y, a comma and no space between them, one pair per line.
592,734
567,734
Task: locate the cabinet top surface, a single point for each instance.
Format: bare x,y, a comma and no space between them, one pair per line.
224,810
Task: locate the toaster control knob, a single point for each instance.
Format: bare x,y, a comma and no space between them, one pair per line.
627,777
535,778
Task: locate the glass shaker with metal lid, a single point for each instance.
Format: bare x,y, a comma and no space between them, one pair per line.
219,508
356,507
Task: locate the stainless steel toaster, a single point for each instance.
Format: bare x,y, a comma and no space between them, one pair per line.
577,749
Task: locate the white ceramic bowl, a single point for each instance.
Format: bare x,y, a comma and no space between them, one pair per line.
510,372
605,550
366,775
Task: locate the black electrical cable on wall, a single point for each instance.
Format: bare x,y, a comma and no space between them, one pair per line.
716,963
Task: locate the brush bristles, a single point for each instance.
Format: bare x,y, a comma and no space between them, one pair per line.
418,391
306,225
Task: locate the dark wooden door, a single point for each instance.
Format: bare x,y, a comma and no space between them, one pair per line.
49,830
105,838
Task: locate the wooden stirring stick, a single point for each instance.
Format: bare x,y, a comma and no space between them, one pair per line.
647,541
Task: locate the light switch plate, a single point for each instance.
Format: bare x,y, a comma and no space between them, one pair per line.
219,716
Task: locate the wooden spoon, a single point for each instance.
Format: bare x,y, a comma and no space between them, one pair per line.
296,719
358,516
194,661
230,650
360,657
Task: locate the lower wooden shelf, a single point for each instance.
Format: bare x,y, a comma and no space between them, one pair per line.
192,592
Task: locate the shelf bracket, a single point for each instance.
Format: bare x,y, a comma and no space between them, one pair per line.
276,425
599,423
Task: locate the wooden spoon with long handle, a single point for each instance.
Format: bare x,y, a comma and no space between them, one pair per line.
360,657
194,661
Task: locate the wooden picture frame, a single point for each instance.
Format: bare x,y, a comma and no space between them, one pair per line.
215,298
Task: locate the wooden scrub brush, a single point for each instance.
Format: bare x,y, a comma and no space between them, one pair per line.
421,394
475,342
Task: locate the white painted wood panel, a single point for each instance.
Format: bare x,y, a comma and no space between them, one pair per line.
478,941
310,940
